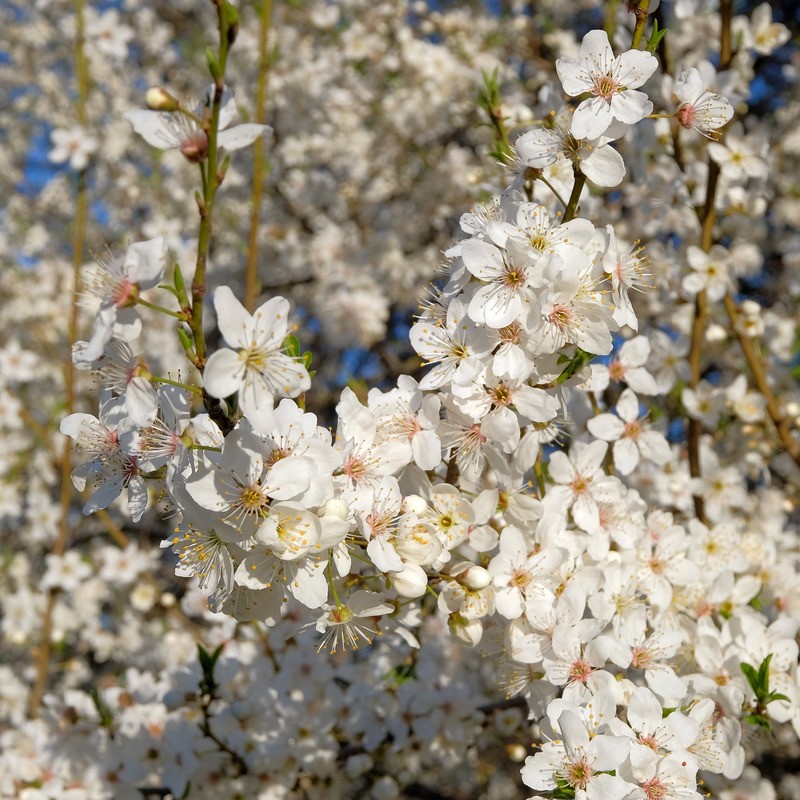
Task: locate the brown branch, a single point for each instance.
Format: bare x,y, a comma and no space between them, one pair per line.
41,655
251,286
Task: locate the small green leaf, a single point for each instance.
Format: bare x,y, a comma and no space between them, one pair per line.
751,675
655,38
291,346
208,662
576,363
213,64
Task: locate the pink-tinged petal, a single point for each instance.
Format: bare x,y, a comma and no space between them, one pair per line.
608,751
106,493
589,458
536,404
427,449
654,447
560,467
631,106
482,259
604,166
310,586
151,126
634,67
384,556
573,731
608,787
233,319
607,427
628,406
539,148
72,424
224,373
290,477
145,262
591,118
626,456
137,498
596,49
141,402
586,514
271,323
495,306
644,710
572,77
241,136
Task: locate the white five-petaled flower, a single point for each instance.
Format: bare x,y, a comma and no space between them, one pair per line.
611,82
699,109
254,365
599,162
168,130
118,286
74,145
631,435
584,763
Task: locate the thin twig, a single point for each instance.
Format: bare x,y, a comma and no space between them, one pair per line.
43,650
251,285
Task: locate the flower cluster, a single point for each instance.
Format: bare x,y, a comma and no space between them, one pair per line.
583,500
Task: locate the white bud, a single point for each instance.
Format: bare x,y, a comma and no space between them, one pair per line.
358,765
469,631
385,788
476,578
158,99
411,582
336,508
414,504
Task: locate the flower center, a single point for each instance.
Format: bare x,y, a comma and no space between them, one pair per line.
605,86
560,316
578,774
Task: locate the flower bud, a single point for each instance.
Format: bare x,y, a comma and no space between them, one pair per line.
336,508
411,582
158,99
476,578
469,631
414,504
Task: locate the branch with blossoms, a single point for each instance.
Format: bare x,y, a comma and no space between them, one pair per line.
522,485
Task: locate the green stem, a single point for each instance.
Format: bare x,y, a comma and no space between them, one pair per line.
641,21
553,190
331,583
210,186
189,388
572,206
161,309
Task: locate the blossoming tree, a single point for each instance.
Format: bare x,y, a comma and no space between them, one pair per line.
573,524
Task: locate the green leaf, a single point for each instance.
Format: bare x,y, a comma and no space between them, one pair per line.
401,673
576,363
213,64
291,346
208,662
655,38
751,675
104,711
